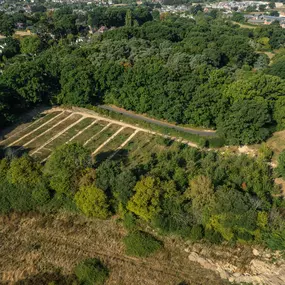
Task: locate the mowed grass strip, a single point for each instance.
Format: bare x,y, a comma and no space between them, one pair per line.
53,131
42,154
43,129
66,136
114,144
87,134
15,135
138,148
102,137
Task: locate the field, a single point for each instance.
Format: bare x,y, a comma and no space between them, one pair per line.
104,137
36,244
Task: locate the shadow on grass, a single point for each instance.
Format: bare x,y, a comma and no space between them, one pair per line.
13,151
119,156
23,119
48,278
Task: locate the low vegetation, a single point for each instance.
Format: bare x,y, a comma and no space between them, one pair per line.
141,244
183,191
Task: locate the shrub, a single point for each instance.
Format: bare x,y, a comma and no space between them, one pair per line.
91,272
196,233
276,240
281,164
213,236
129,221
216,142
265,152
141,244
65,166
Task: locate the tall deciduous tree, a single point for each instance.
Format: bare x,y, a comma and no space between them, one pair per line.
65,167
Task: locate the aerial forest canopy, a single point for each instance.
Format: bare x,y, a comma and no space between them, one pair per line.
203,72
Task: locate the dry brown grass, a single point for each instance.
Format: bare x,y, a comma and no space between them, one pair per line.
34,243
277,144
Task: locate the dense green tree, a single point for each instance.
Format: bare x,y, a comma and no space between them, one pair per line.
277,68
92,202
65,166
146,201
6,24
28,80
24,171
11,47
245,122
30,45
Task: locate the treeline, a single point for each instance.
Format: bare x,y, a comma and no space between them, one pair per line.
203,72
181,191
56,23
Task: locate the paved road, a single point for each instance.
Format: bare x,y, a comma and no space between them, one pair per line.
157,122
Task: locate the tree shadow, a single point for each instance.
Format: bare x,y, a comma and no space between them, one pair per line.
23,119
13,151
119,156
48,278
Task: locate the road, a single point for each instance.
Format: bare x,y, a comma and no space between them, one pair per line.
157,122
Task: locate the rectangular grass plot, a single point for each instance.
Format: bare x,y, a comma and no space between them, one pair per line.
102,137
44,127
141,144
87,134
42,154
114,144
16,135
44,137
66,136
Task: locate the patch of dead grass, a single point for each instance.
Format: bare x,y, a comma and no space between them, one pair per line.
35,243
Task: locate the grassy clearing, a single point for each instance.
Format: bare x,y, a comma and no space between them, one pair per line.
50,242
90,132
65,137
42,129
137,148
102,137
246,26
14,135
113,145
44,138
43,153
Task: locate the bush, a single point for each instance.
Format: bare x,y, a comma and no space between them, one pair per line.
276,240
91,272
213,236
265,152
141,244
196,233
129,221
216,142
281,164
